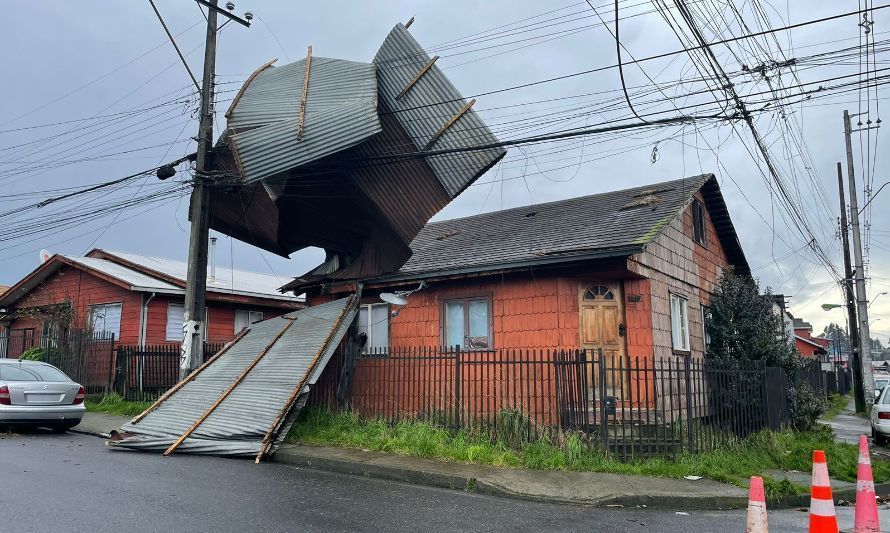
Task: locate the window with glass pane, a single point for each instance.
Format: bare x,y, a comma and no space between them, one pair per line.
468,323
373,321
680,323
244,318
105,319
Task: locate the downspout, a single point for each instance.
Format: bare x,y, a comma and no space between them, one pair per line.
143,320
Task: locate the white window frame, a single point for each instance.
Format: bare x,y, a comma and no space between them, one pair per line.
372,345
679,323
104,306
252,318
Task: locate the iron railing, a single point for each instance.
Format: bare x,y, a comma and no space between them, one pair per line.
145,373
630,406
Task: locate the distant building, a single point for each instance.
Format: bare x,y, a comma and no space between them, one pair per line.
806,344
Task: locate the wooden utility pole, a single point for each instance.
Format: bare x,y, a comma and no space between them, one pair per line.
850,300
868,382
192,354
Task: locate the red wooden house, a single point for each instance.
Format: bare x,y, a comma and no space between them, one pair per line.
136,298
806,343
630,272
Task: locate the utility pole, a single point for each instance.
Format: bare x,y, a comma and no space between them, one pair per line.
850,300
868,382
192,353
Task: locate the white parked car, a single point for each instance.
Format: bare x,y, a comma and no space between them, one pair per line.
880,418
38,394
881,384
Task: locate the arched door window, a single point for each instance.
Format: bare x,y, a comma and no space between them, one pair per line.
598,292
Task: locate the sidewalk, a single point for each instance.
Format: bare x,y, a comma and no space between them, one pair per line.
848,426
579,488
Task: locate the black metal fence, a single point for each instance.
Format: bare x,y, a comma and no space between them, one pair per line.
87,357
632,406
145,373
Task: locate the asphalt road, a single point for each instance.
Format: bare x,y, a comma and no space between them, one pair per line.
71,482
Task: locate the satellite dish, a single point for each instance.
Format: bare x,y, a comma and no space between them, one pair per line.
45,255
394,299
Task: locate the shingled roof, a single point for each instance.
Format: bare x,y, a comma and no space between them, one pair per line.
607,225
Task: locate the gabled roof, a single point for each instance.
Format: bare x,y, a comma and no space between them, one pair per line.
149,274
612,224
800,323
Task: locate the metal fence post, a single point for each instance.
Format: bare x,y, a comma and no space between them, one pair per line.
457,391
688,379
604,430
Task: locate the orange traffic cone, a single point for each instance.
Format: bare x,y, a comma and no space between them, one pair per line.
822,517
757,522
866,520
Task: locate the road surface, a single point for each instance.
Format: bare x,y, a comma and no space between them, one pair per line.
70,482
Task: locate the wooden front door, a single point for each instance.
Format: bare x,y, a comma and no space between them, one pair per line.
602,327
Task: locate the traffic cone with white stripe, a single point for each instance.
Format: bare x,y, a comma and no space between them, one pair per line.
866,520
756,522
822,517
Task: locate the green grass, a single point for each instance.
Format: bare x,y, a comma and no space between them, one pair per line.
784,450
836,404
115,404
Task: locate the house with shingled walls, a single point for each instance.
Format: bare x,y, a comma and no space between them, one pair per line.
629,272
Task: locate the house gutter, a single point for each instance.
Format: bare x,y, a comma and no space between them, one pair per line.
143,319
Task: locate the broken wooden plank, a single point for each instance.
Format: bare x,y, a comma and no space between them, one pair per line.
417,77
448,124
243,88
225,394
409,23
305,95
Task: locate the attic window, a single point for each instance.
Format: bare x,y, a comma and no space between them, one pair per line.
699,234
641,202
447,234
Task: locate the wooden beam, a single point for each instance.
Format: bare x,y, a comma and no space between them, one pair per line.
450,123
417,77
409,23
305,95
225,394
190,377
295,394
243,88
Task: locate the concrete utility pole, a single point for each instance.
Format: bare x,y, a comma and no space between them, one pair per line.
868,382
192,353
858,391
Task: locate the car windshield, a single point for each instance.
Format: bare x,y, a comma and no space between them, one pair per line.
14,372
885,398
881,383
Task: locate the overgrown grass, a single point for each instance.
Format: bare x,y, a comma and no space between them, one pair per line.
784,450
836,404
115,404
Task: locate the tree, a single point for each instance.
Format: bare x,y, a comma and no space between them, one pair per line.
876,344
839,338
743,327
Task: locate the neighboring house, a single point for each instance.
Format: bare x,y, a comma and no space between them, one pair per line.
630,272
136,298
806,344
780,309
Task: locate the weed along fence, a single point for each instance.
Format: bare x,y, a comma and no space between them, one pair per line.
633,407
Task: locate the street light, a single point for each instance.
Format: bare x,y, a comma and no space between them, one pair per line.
876,297
829,307
873,321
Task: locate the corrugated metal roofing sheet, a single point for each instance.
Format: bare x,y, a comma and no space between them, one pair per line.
429,104
254,408
341,111
136,279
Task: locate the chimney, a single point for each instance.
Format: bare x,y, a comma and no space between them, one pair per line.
212,260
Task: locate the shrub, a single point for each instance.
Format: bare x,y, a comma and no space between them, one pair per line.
805,406
34,354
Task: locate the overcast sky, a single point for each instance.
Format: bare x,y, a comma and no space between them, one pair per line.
111,60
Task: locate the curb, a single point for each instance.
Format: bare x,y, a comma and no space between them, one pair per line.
482,486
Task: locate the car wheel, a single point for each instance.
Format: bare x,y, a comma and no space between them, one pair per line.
878,438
